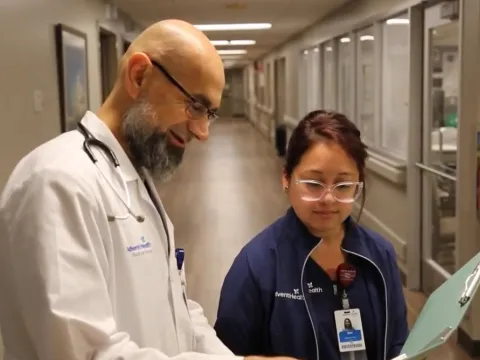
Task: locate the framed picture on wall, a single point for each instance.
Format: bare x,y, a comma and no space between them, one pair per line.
72,69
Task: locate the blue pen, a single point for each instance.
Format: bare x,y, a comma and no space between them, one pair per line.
180,255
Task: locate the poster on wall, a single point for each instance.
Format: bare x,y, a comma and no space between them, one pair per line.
72,69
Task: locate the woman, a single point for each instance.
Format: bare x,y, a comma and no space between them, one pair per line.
285,291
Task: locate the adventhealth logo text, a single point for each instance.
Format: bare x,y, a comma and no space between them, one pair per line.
141,248
297,294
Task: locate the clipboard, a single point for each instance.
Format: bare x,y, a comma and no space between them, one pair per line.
452,299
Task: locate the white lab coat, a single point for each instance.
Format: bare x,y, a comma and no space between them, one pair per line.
74,285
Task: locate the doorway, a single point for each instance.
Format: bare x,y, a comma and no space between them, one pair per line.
108,61
280,91
126,45
439,148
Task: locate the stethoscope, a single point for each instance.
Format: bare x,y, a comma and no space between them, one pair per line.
90,141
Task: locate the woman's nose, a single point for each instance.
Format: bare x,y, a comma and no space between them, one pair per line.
328,197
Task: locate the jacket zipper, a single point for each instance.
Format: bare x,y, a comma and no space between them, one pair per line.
305,300
386,299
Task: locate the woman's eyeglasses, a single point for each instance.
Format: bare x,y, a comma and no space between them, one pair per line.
345,192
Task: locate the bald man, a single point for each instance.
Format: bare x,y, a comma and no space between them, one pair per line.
87,255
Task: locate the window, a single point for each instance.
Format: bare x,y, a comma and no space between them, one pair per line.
328,76
310,81
303,84
366,84
344,76
315,77
395,85
267,100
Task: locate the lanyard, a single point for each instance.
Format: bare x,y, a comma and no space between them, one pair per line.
342,294
346,274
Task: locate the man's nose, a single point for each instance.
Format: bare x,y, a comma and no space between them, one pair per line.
199,128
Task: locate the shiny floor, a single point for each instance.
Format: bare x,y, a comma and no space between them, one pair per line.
226,191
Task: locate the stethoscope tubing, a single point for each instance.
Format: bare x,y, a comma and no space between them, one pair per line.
88,142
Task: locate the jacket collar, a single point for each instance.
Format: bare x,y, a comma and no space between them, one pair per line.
353,241
99,130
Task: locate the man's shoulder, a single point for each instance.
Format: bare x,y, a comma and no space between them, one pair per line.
53,161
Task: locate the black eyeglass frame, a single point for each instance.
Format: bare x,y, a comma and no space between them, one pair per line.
212,115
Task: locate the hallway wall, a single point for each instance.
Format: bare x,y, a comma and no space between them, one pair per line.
383,182
28,40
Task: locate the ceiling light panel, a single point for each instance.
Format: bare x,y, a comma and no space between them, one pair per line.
220,42
242,42
367,38
232,42
232,27
232,52
398,21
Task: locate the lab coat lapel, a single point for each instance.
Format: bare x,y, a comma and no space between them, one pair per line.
185,335
152,195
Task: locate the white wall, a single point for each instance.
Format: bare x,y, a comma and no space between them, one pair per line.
28,63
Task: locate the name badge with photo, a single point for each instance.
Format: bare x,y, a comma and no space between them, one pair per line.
349,330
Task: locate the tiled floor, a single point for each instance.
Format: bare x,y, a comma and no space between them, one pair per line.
225,192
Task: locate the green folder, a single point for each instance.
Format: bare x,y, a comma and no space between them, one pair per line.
452,300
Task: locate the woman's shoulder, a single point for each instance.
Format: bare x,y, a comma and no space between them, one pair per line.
375,238
378,246
260,251
267,239
378,250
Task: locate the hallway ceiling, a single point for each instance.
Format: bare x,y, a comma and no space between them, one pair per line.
288,17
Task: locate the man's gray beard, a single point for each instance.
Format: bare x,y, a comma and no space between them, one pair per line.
148,146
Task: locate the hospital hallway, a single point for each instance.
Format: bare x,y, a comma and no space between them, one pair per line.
404,72
226,191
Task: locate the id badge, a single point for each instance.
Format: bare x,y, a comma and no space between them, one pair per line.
349,330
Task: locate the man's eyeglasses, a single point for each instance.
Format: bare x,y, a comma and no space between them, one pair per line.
195,109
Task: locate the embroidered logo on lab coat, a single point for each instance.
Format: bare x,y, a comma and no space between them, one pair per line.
140,248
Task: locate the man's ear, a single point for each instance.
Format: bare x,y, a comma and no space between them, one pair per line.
135,70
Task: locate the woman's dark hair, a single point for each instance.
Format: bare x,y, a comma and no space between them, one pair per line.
324,125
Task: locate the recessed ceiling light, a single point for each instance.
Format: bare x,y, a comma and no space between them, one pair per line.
232,52
345,40
232,42
224,27
398,21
